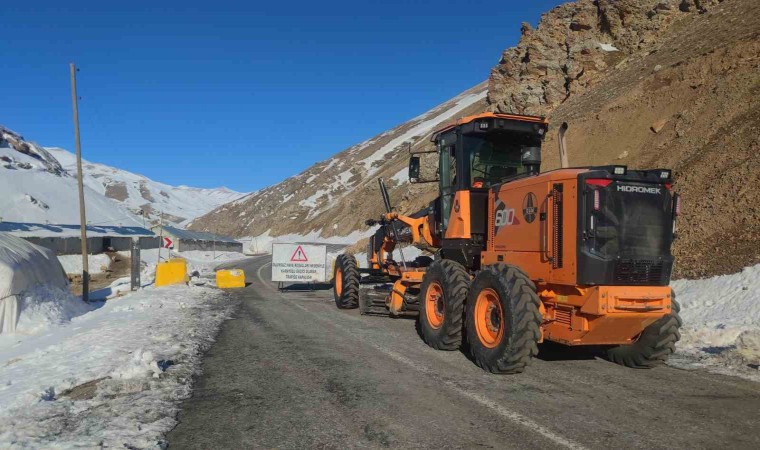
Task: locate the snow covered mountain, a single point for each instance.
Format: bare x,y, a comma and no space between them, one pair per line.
37,188
178,203
39,185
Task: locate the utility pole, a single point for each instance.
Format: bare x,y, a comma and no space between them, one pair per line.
80,182
160,234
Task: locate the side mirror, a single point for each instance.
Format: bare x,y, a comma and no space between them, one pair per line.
414,169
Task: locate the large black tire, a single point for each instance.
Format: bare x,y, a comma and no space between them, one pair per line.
503,319
655,344
442,295
346,282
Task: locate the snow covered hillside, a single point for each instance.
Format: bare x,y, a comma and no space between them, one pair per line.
334,197
136,192
39,186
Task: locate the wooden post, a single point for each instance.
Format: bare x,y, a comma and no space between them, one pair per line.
80,182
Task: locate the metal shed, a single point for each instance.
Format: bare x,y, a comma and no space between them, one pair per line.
65,239
187,240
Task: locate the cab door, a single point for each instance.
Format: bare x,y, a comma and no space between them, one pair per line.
447,175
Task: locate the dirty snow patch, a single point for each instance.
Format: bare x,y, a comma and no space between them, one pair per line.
721,316
402,176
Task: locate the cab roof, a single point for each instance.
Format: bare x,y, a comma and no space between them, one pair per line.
490,115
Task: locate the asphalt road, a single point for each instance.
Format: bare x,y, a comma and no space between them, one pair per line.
292,371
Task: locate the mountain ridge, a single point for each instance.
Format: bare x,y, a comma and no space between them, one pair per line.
41,187
649,83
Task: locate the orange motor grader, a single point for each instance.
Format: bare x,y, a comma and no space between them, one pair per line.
577,256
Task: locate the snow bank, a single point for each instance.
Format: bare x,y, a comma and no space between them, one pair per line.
113,377
72,264
44,307
205,262
32,281
721,318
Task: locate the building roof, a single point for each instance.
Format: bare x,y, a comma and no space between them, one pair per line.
197,235
24,229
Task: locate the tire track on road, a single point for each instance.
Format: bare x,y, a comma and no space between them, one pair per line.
508,414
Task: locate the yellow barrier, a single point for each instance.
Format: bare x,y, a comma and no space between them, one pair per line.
173,271
228,279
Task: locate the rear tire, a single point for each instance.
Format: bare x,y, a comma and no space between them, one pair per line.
656,343
346,282
441,298
503,319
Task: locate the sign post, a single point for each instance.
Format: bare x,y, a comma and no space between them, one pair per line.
299,263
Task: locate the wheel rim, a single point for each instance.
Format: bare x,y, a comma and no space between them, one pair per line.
489,318
434,308
338,281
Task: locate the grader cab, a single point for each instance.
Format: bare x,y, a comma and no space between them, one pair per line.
578,256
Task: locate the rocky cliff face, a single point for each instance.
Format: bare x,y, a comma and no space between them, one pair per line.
575,45
681,92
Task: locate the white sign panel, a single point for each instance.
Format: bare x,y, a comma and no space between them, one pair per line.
298,263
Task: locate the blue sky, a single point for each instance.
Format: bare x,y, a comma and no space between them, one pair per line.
240,94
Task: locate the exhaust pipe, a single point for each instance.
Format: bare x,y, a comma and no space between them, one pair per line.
563,147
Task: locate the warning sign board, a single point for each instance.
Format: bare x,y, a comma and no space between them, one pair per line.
299,263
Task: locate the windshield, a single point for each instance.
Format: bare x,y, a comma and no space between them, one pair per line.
629,224
494,157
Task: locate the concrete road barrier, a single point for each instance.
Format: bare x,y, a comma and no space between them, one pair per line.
230,279
173,271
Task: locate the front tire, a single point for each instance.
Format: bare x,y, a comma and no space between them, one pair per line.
656,343
503,319
346,282
441,298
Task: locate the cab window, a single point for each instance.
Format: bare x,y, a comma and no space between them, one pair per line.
492,160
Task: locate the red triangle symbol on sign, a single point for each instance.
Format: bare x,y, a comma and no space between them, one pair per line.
299,255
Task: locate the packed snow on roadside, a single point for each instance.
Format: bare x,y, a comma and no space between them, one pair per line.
112,377
721,323
205,262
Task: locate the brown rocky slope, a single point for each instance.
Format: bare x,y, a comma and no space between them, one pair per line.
698,86
614,70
